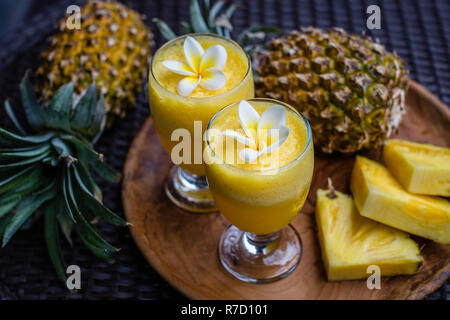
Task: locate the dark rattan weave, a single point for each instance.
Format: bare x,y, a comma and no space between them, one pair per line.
418,30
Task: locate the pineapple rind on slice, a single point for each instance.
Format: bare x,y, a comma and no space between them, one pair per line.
380,197
420,168
350,243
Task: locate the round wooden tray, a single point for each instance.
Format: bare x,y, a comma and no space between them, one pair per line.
182,247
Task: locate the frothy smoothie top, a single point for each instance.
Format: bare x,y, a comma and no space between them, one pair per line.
228,149
234,70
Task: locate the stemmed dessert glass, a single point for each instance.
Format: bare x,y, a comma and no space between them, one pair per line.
260,246
186,185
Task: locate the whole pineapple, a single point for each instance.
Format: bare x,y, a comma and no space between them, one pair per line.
350,88
112,48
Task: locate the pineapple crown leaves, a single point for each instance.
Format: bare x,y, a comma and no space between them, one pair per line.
49,170
215,18
83,118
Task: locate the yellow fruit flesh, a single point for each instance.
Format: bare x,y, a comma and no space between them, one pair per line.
420,168
380,197
261,198
350,243
170,111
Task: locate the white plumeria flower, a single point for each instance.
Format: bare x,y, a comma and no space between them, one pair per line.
264,134
202,67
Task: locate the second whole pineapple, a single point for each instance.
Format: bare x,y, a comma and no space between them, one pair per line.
112,48
350,88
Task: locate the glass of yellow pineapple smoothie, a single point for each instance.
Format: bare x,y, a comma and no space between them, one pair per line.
191,78
259,182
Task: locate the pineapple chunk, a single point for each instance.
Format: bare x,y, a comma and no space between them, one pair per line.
420,168
350,242
380,197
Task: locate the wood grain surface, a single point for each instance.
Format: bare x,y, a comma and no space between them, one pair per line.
182,246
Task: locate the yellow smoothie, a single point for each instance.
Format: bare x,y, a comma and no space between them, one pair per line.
171,111
262,196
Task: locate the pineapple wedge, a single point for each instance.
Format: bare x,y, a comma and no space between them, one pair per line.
420,168
350,243
380,197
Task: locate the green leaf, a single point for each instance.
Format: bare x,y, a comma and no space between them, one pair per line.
83,227
85,176
186,27
3,223
230,10
105,171
223,22
254,29
61,147
33,111
36,181
65,224
98,252
101,253
197,21
14,119
29,222
88,155
51,160
227,32
85,150
219,31
95,129
19,178
6,205
207,4
25,162
52,240
214,12
25,209
88,202
164,29
8,198
9,137
84,112
65,196
24,149
31,152
58,111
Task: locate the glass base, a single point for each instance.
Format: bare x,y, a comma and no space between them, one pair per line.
260,258
189,191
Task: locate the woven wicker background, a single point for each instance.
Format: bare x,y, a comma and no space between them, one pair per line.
419,31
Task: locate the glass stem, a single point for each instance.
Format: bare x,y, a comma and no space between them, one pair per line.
199,181
261,244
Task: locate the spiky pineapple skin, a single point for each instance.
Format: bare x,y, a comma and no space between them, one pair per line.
112,47
350,88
